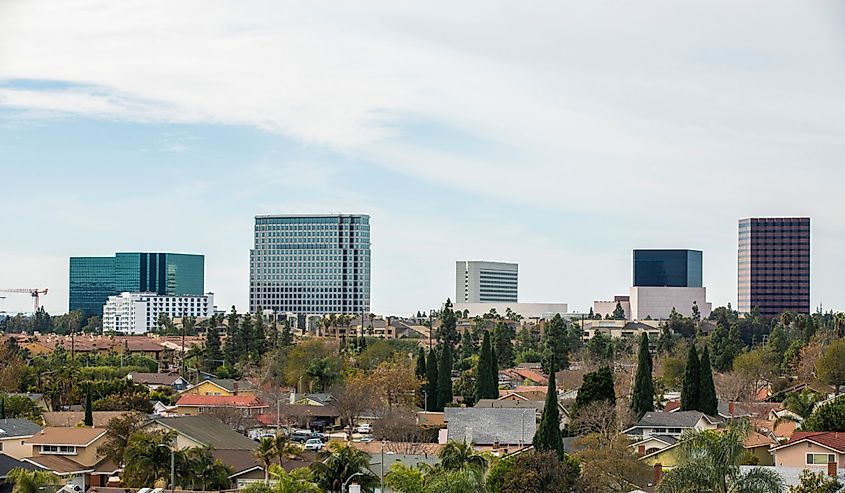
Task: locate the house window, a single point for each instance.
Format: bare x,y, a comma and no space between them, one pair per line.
58,449
651,450
820,459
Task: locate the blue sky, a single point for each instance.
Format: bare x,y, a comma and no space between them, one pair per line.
560,136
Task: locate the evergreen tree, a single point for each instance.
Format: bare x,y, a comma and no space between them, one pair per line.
596,386
727,345
431,377
244,336
420,371
553,344
691,389
618,312
708,403
286,337
447,332
258,341
362,343
665,342
494,370
467,346
548,437
642,395
89,411
3,407
503,335
444,377
486,368
213,353
230,350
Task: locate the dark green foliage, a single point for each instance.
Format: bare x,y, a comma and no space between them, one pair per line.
213,351
534,472
708,403
19,406
597,386
127,402
3,408
679,324
420,371
548,437
444,377
286,337
665,342
691,389
558,340
830,417
231,350
486,388
503,334
642,395
467,346
618,312
600,347
89,411
432,377
726,347
447,332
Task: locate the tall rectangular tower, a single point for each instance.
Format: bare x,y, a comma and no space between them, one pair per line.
93,279
478,281
311,264
668,268
773,265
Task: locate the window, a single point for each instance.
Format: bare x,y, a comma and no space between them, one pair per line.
58,449
651,450
820,458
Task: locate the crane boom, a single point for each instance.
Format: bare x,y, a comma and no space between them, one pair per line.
34,292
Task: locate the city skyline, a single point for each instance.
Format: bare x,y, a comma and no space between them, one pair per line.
531,137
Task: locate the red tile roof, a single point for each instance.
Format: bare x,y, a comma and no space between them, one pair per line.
832,439
220,401
532,375
671,406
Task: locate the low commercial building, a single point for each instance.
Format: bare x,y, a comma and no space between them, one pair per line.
138,313
527,310
648,302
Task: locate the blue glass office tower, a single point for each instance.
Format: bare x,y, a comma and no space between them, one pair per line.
668,268
310,264
94,279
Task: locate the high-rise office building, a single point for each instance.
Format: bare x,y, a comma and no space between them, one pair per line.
310,264
668,268
773,265
94,279
478,281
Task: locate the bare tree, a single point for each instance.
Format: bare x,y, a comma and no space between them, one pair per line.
351,399
234,417
399,429
598,418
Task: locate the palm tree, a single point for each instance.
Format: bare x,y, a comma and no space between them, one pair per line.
204,472
337,463
297,481
285,448
266,452
709,463
457,456
26,481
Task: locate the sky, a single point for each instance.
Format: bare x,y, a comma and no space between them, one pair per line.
556,134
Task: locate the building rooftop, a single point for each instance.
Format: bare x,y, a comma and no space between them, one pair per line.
154,378
207,431
220,401
53,435
678,419
17,427
69,419
485,426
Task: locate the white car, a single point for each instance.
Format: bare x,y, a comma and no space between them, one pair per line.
365,428
314,444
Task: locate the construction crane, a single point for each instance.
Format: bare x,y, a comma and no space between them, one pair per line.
35,293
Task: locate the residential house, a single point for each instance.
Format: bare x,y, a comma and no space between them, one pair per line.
812,450
307,416
248,469
667,451
536,406
154,381
489,429
660,430
758,445
13,436
525,392
221,386
69,419
7,463
192,405
71,453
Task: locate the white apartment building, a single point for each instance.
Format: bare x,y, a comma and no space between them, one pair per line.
137,313
478,281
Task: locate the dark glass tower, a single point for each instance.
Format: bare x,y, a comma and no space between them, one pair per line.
773,265
94,279
311,264
668,268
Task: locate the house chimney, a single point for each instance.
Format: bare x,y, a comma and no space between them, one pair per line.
831,469
641,450
658,473
235,387
731,408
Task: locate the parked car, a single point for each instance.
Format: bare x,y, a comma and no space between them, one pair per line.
314,444
365,428
301,436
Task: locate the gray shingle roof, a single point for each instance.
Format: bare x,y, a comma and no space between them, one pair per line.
485,426
208,431
678,419
8,463
17,427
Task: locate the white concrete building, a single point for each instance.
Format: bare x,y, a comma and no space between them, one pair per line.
137,313
479,281
527,310
658,302
607,307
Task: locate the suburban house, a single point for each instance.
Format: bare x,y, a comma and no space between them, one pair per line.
489,429
311,399
8,463
192,405
664,450
525,392
812,450
70,419
536,406
154,381
221,386
248,469
660,430
202,431
71,453
13,436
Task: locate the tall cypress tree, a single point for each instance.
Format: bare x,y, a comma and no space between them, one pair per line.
548,437
467,347
708,403
493,376
286,338
230,349
3,407
550,345
431,376
444,377
483,390
213,353
89,411
691,390
642,397
421,374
